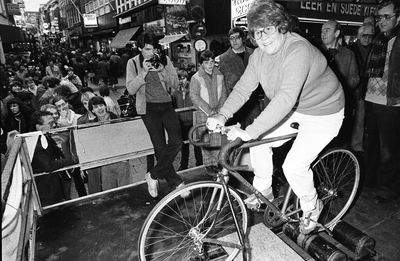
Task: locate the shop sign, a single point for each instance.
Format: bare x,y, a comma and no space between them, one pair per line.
13,9
124,20
172,2
90,20
339,8
240,7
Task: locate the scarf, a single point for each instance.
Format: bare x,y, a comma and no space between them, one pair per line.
376,60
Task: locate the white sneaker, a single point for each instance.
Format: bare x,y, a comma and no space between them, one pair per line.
308,223
152,185
183,194
252,202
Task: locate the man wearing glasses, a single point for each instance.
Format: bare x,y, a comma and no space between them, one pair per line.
232,65
361,49
382,105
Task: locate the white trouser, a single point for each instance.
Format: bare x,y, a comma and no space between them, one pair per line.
314,133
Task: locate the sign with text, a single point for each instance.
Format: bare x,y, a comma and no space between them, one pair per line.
331,10
240,7
13,9
90,20
172,2
339,8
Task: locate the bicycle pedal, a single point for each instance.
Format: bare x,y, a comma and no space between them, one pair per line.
216,254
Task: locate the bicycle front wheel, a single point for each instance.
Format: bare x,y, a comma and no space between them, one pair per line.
336,179
200,226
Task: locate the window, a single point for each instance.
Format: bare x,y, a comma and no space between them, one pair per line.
95,4
86,8
106,9
101,10
90,6
101,2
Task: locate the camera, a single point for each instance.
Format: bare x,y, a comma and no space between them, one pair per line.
155,61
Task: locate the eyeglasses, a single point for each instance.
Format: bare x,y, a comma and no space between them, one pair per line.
268,30
234,37
385,17
367,36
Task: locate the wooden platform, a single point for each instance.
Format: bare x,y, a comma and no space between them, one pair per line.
265,245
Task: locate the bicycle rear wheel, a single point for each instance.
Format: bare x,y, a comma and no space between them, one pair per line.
336,179
184,229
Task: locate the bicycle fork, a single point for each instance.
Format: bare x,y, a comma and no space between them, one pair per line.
223,178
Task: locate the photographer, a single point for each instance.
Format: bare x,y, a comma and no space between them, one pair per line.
151,80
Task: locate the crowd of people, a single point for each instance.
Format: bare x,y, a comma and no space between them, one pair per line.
341,94
56,85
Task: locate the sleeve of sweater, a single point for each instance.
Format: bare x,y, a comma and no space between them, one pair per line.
170,75
242,90
134,77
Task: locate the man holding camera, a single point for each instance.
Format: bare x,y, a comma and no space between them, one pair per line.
151,78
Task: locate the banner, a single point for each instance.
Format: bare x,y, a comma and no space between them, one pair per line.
90,20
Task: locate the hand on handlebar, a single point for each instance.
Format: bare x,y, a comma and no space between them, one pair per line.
236,132
215,122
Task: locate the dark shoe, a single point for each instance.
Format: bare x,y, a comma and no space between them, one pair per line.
381,200
182,167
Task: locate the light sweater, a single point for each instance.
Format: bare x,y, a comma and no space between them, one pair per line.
297,77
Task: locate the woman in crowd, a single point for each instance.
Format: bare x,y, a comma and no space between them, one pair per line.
302,88
18,115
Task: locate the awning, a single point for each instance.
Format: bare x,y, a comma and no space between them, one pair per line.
123,37
171,38
11,34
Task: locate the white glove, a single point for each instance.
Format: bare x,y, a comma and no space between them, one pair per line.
236,132
215,121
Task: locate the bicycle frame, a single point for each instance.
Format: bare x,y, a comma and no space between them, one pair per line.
238,144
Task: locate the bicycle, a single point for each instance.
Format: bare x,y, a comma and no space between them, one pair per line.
212,222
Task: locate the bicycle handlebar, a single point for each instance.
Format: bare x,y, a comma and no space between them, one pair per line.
225,150
238,143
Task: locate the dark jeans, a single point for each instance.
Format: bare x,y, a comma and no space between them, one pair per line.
185,148
383,146
161,117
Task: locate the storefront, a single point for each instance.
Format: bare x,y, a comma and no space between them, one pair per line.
169,22
101,36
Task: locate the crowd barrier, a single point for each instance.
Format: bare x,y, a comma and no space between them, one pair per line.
96,144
